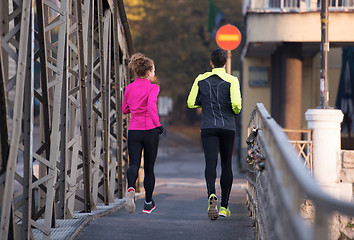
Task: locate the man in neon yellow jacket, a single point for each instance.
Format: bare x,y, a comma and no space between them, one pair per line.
218,94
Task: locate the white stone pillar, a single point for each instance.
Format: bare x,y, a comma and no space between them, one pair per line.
326,140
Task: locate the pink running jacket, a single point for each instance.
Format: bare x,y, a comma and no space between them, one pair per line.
140,100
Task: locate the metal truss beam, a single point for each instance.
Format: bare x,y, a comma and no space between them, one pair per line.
63,135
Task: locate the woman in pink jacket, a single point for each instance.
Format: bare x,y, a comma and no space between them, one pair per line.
139,100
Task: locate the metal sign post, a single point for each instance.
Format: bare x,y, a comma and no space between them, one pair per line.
324,55
228,64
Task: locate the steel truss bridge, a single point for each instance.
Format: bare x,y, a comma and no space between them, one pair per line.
63,72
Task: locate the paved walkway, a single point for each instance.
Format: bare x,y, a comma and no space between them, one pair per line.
181,202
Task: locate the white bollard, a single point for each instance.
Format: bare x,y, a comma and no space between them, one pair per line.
326,140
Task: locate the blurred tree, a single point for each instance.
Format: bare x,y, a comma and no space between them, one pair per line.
174,33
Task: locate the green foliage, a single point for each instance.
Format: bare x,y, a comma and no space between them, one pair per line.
350,225
174,34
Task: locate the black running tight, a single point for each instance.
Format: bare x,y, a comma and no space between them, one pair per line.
139,140
213,141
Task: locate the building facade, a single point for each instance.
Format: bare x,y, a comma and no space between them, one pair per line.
281,58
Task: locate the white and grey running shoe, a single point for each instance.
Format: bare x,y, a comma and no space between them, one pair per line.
130,200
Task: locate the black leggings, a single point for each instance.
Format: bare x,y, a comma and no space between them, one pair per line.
213,140
137,141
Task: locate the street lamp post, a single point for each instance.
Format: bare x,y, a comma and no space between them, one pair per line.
324,55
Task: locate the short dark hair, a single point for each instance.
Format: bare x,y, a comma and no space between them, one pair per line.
218,57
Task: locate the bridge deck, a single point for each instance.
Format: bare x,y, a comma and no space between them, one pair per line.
181,202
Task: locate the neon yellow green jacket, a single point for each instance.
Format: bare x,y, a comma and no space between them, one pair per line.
218,93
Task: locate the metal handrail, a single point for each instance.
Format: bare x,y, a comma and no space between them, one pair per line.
293,183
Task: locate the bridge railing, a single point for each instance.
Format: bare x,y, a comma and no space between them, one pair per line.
280,190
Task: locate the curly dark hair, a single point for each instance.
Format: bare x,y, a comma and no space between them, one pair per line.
140,64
